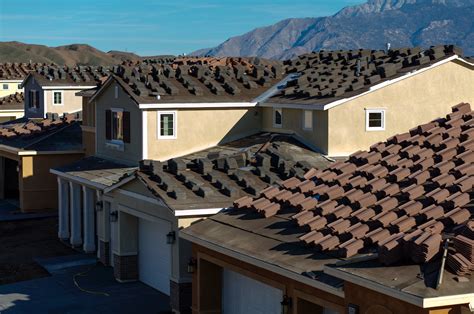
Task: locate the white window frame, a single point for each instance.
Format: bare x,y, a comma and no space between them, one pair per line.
62,97
306,128
275,110
374,110
175,125
7,85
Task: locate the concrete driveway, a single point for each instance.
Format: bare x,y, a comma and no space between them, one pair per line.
101,294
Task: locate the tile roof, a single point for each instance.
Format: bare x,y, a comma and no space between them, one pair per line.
13,101
193,79
398,198
98,170
17,71
213,178
30,133
71,76
326,76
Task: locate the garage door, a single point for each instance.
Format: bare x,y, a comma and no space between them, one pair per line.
243,295
154,255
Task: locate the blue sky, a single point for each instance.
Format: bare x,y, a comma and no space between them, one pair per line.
148,27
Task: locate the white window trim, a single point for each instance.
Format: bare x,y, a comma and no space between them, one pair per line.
175,125
374,110
274,120
304,120
62,97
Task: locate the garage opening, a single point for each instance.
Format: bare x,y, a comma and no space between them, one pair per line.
11,191
154,254
244,295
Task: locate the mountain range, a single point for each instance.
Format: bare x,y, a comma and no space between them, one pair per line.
75,54
402,23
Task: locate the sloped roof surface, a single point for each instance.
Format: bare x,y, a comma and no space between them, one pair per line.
43,134
13,101
213,178
98,170
397,203
325,76
199,79
17,71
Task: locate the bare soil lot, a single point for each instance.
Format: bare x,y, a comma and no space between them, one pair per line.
23,241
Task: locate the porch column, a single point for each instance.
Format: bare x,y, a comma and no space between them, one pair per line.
63,202
76,224
89,219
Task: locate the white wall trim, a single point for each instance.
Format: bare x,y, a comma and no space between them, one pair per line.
141,214
68,87
119,184
198,105
144,134
262,264
197,212
10,81
404,296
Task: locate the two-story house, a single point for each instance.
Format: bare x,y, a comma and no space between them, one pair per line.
342,101
52,89
391,230
11,77
162,110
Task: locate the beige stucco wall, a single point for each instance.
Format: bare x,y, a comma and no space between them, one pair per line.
12,87
132,152
199,129
408,103
71,102
38,187
292,122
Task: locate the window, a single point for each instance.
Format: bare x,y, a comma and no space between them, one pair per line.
117,126
277,117
33,99
167,124
5,86
116,90
375,119
19,86
307,119
57,98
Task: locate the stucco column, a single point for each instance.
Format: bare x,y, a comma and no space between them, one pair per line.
63,202
76,217
89,219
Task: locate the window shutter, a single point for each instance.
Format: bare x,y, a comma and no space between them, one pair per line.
126,126
108,124
37,97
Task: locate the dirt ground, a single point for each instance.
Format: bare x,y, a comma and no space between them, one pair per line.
22,241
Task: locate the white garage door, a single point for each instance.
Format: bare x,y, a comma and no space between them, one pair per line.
244,295
154,254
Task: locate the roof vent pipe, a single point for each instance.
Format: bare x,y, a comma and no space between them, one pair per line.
388,46
358,68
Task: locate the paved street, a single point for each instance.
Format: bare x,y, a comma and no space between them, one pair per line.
100,294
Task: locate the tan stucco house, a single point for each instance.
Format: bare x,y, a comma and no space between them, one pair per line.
390,230
52,89
199,107
342,101
28,149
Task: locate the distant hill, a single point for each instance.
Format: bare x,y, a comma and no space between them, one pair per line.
75,54
370,25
